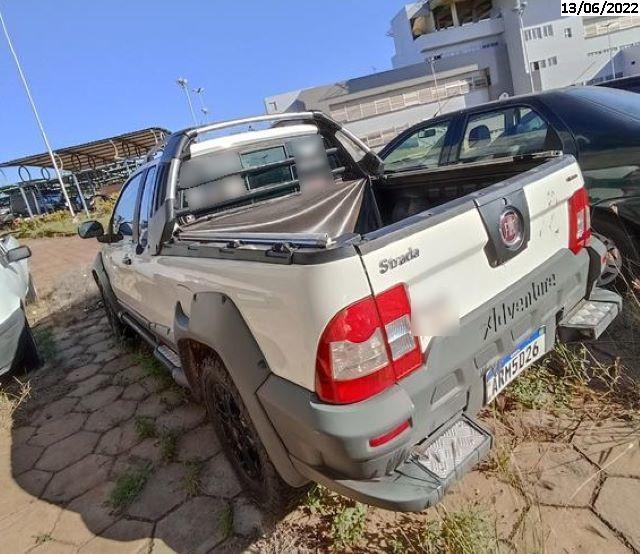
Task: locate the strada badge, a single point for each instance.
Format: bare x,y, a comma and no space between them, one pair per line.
391,263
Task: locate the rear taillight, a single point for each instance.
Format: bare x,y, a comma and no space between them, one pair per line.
366,347
395,313
579,220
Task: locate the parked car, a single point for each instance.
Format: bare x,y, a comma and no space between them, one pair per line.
599,126
341,327
6,217
17,345
632,84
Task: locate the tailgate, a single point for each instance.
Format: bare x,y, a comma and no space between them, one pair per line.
456,253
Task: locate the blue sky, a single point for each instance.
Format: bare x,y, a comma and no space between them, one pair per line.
103,67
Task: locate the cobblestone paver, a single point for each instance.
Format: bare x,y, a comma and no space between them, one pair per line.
61,462
96,415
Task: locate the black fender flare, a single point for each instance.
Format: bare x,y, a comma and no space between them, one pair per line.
215,322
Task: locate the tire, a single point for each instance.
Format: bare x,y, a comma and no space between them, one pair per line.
240,439
29,357
118,328
621,254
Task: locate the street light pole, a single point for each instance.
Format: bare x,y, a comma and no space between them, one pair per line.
182,83
432,63
35,113
611,58
205,111
519,9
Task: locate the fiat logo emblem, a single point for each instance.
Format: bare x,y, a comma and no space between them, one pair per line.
511,228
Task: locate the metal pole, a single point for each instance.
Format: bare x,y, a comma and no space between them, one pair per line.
84,204
519,9
35,111
611,60
182,83
435,81
205,111
26,202
36,203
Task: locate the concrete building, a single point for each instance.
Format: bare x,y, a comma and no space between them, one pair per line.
560,51
455,53
377,107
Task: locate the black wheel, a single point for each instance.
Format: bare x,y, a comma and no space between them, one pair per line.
623,266
118,328
241,441
28,357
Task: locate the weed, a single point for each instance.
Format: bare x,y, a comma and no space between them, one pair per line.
45,342
169,444
226,521
145,427
316,499
41,538
193,477
128,486
464,531
154,369
11,401
349,525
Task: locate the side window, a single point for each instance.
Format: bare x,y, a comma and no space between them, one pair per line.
421,149
511,131
146,204
124,212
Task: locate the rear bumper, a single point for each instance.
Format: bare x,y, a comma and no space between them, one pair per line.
10,332
330,444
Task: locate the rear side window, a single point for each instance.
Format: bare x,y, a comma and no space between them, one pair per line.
125,209
420,149
512,131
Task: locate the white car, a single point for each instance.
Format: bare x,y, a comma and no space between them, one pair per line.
17,346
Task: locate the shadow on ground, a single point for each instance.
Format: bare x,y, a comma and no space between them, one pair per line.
108,454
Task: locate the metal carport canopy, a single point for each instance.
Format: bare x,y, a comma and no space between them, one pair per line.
98,153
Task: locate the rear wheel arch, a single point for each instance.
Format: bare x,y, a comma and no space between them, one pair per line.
215,328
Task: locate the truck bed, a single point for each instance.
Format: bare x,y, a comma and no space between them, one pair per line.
356,206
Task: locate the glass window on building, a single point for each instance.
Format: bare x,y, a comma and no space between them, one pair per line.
567,32
547,30
553,60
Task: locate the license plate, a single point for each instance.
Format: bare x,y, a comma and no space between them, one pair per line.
509,367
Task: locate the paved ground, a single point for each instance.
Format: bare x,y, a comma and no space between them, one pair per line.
53,259
82,429
99,413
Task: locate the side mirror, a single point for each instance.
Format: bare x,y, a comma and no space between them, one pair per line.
18,253
90,230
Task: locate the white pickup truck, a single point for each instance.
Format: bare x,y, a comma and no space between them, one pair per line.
340,325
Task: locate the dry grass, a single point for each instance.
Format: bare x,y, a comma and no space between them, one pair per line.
60,223
11,401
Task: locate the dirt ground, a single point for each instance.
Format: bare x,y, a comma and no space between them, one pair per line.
101,452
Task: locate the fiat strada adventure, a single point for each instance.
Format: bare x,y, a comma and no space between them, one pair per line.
339,326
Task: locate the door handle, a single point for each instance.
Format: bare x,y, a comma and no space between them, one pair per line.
126,260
